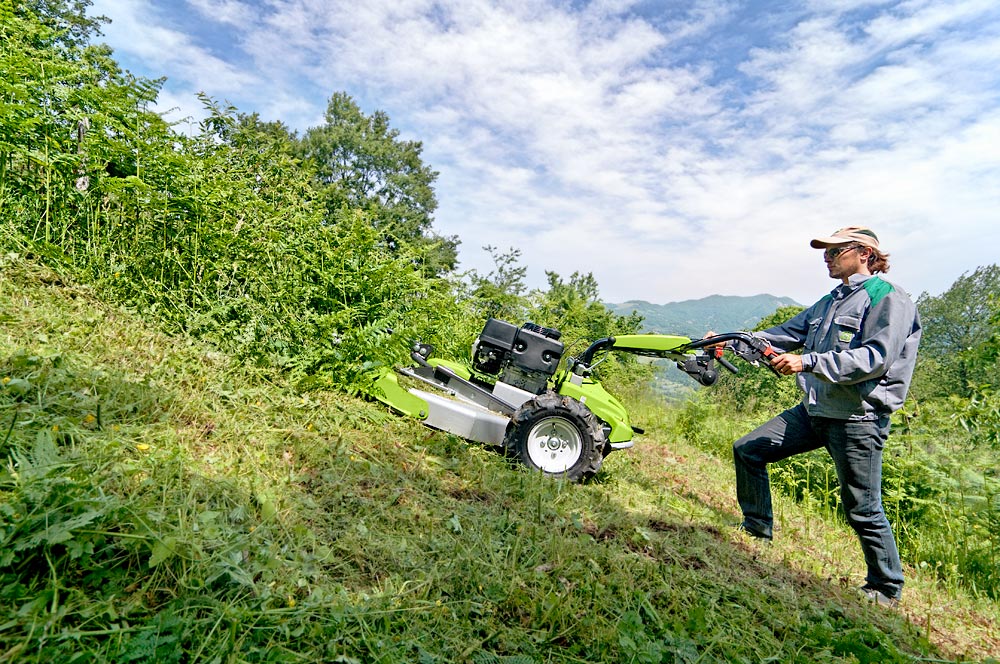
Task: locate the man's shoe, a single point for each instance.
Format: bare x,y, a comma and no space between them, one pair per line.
876,596
753,533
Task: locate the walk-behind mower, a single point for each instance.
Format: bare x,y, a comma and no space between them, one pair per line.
559,422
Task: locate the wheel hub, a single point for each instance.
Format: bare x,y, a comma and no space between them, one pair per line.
554,444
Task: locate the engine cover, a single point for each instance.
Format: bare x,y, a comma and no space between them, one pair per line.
524,357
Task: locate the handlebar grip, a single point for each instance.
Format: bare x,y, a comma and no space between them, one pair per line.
727,364
767,355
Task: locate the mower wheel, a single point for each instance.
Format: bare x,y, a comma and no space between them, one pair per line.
557,435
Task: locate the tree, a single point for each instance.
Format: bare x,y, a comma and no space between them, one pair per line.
361,163
574,307
501,293
956,327
276,131
68,18
979,415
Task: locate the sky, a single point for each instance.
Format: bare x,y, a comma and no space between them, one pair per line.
674,150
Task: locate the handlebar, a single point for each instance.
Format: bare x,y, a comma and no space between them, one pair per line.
699,365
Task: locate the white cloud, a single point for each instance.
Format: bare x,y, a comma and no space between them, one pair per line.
143,43
238,14
170,49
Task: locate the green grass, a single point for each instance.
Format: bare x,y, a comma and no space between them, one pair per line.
160,504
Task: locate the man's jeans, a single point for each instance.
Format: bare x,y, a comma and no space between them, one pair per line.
856,448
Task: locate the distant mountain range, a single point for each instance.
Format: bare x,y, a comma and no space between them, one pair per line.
693,318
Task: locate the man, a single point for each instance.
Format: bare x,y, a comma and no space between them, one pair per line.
859,344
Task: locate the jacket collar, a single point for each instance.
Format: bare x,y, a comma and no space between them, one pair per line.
853,283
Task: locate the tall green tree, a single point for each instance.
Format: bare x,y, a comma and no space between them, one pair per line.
956,327
979,414
219,234
360,162
67,18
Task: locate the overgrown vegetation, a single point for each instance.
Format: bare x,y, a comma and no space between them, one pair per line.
189,488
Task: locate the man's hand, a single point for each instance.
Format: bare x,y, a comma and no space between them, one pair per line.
787,364
712,334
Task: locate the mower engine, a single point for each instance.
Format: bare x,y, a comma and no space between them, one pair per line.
524,357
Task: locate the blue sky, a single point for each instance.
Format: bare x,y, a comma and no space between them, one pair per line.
673,149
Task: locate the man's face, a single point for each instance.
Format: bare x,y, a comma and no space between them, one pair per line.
842,262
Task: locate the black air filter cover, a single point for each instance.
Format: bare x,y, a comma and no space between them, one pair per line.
536,351
498,334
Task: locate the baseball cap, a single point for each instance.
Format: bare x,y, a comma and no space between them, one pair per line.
848,235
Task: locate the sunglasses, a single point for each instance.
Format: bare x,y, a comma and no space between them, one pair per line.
833,252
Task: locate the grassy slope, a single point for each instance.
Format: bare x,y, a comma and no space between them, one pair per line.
163,506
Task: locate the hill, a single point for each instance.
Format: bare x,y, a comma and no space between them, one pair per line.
693,318
161,503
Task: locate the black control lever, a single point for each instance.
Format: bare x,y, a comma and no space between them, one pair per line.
747,346
718,353
727,364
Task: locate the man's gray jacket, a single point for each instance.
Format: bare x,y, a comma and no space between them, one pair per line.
859,347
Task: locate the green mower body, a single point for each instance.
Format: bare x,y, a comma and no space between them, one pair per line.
559,421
